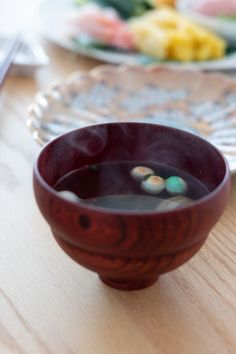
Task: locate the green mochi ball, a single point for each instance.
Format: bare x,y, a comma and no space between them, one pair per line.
176,185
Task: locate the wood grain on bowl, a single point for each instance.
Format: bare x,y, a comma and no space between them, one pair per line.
130,249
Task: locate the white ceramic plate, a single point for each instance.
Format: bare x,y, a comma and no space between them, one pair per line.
224,28
202,103
55,28
29,58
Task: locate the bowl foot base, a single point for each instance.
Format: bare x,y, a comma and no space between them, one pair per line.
128,284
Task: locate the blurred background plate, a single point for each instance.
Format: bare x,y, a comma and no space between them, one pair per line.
202,103
29,58
54,26
223,27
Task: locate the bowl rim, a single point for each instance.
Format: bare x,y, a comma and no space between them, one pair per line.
37,175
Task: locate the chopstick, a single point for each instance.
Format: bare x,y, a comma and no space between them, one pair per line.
10,49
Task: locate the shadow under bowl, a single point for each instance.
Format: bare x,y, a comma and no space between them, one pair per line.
129,249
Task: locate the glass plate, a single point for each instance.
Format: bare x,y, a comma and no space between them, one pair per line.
54,27
202,103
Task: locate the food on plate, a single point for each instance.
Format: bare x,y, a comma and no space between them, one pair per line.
129,8
216,7
125,8
102,25
165,34
161,33
157,3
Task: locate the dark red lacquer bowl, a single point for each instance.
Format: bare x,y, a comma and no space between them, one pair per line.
129,250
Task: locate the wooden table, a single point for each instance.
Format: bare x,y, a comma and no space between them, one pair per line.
50,305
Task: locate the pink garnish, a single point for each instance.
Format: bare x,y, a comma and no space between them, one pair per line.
217,7
103,25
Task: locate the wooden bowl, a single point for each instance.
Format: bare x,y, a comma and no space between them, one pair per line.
129,250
